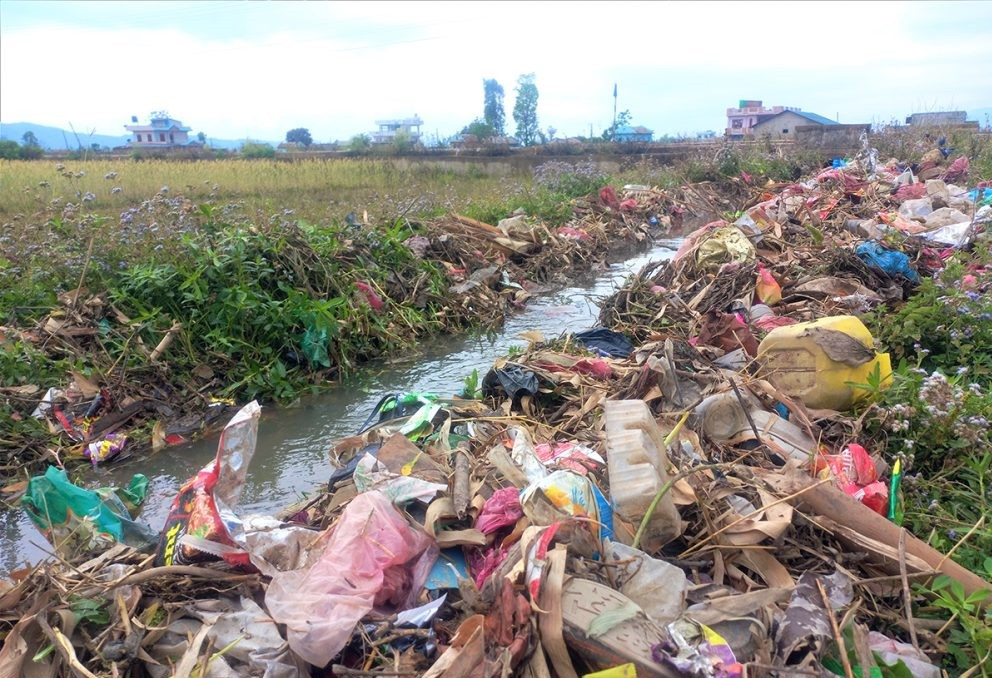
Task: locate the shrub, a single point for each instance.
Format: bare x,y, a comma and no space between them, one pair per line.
255,150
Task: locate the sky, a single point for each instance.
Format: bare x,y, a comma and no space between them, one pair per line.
257,69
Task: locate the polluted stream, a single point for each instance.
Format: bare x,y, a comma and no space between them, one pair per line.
291,457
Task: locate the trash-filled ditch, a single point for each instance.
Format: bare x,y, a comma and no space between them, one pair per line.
690,486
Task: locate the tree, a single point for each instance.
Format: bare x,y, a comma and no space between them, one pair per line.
9,150
481,129
623,118
359,142
251,149
201,137
402,141
30,139
300,135
493,111
525,110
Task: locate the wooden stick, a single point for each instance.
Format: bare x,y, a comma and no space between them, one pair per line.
838,637
166,340
907,600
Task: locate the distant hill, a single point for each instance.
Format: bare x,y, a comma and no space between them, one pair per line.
56,138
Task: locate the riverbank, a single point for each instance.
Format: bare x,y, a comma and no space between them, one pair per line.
176,312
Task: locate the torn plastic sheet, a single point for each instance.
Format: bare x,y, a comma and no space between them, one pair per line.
605,343
370,473
571,456
69,515
250,639
418,617
514,380
372,558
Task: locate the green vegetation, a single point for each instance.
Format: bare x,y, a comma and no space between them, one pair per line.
525,110
254,150
935,418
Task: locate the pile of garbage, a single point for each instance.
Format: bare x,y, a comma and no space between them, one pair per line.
489,271
681,492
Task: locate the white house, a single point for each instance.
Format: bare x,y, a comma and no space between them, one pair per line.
389,128
161,132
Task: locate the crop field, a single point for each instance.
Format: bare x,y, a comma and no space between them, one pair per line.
315,189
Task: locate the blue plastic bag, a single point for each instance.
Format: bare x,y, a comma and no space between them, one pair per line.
890,261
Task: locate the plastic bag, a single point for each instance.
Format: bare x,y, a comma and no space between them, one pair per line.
500,510
890,261
199,524
724,246
373,557
69,515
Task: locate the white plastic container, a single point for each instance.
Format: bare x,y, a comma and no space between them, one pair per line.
638,468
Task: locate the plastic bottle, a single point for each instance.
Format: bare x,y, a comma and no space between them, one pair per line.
816,363
638,468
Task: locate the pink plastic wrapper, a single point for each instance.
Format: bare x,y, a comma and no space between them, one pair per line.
375,301
958,169
856,475
500,510
911,192
373,557
569,232
608,197
770,322
597,368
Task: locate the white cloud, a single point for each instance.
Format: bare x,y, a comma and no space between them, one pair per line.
258,69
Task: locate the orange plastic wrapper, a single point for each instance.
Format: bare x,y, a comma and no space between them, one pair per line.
769,291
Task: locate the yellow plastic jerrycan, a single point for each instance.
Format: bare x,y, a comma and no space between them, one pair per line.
818,361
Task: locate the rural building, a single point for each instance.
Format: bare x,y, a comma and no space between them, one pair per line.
783,125
161,132
937,118
388,129
627,134
741,120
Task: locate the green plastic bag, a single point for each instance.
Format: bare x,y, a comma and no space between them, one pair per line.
314,345
74,518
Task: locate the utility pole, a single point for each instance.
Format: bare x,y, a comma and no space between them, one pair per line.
614,128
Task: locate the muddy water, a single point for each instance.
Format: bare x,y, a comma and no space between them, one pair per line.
291,456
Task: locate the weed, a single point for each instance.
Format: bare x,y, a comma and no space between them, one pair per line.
969,643
471,388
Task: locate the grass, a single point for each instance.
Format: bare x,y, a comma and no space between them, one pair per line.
317,190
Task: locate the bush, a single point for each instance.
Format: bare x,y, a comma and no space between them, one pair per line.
11,150
255,150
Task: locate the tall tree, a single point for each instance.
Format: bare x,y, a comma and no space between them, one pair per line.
493,110
525,110
300,135
30,139
623,119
